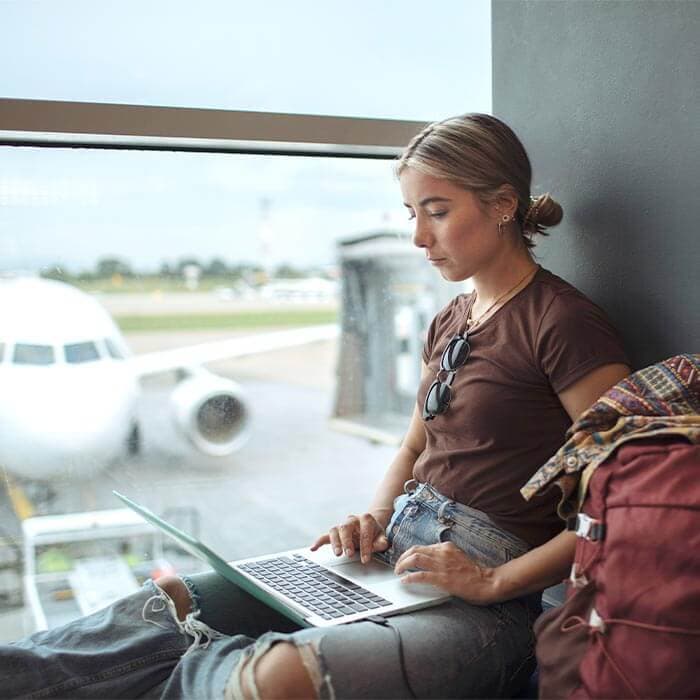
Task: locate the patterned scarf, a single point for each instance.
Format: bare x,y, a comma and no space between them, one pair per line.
662,399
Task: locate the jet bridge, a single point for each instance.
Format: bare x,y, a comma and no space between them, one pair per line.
389,294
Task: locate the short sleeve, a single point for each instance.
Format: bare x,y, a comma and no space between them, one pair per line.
574,338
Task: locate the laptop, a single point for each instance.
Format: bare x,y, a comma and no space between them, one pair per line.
313,589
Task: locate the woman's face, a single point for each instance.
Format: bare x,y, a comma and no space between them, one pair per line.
459,235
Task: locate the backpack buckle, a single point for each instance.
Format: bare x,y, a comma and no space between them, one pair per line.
586,527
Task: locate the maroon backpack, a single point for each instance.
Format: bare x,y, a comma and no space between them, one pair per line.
630,624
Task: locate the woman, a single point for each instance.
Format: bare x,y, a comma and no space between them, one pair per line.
506,369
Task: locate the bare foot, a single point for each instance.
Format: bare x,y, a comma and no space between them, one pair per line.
179,593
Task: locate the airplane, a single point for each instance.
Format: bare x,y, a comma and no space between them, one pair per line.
69,384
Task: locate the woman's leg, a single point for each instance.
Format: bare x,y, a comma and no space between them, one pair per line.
123,650
227,608
453,650
129,649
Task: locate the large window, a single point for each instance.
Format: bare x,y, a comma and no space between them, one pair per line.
194,256
396,59
252,270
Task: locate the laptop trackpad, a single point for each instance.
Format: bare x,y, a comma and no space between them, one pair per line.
371,573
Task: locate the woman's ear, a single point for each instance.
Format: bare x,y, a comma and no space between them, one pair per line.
505,201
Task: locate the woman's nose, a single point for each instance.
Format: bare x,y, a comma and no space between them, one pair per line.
421,237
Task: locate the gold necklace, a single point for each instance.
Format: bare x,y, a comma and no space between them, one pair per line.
472,323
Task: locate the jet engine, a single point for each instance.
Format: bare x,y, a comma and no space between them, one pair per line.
211,411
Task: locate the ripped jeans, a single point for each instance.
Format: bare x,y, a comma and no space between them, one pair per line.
138,648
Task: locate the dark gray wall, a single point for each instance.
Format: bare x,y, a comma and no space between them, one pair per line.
605,97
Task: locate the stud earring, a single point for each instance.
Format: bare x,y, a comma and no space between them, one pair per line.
504,220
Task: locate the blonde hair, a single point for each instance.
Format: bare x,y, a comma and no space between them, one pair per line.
481,154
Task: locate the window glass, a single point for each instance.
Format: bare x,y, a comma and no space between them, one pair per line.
81,352
301,57
113,349
275,308
2,351
28,354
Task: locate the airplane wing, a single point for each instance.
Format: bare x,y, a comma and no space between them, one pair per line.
195,355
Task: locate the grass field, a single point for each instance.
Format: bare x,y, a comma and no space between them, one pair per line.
229,321
148,284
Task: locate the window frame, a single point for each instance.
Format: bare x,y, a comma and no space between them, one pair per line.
61,124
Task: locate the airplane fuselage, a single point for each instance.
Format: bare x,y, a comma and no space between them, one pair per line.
67,394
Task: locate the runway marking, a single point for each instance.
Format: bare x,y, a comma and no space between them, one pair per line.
20,503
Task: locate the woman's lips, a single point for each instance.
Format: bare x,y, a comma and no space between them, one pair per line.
436,261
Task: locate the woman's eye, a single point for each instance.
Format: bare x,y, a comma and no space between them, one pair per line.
432,215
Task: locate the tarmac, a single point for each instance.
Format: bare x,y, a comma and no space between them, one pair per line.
294,478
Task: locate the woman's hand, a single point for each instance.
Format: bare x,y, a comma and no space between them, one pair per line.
446,566
358,531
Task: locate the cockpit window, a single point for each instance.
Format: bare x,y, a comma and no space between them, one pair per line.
81,352
26,354
113,349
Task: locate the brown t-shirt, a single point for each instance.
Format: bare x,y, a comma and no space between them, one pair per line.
504,420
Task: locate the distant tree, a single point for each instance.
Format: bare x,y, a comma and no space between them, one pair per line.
55,272
289,272
182,263
165,270
111,267
216,268
248,272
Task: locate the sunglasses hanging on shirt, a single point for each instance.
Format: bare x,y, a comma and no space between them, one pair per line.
453,357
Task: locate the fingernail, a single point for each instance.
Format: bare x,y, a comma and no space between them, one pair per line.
338,551
348,553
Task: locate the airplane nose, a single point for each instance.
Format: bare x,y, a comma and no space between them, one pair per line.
74,422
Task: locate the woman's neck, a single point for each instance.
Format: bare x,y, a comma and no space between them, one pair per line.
504,277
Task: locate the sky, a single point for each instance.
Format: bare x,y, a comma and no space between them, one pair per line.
399,59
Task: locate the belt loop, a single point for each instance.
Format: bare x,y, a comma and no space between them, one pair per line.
407,487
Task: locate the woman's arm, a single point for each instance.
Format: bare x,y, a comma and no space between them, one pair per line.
367,530
448,567
400,470
587,390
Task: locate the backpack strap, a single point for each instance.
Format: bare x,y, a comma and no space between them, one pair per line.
583,482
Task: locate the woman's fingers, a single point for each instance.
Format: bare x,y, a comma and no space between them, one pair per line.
347,533
431,578
323,539
363,532
368,535
381,543
416,558
334,537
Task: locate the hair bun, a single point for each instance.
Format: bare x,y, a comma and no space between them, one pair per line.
542,213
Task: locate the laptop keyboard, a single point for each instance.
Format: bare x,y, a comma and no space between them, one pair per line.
316,588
